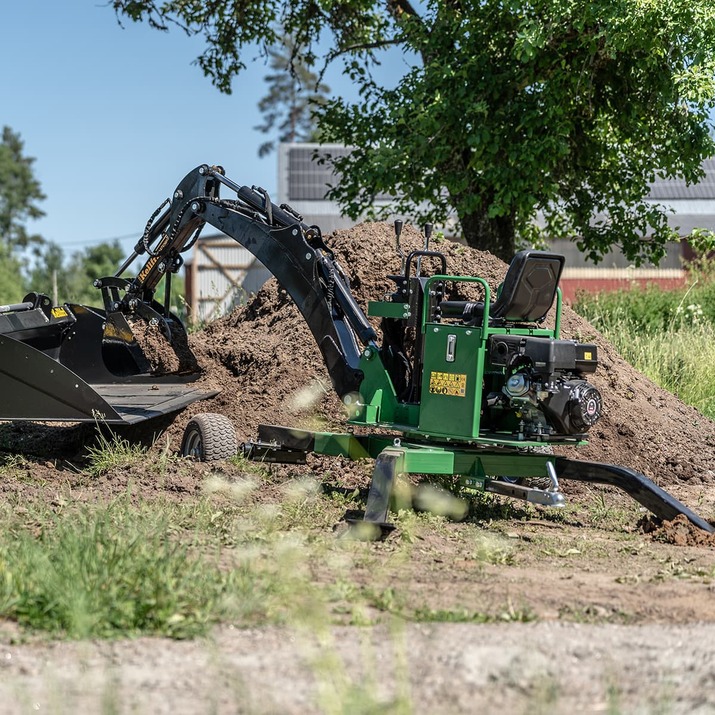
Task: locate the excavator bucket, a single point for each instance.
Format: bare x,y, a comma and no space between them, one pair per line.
69,364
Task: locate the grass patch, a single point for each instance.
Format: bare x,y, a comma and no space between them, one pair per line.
112,452
508,615
669,336
602,512
116,571
245,552
679,359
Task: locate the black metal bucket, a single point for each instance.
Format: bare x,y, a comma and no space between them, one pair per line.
56,364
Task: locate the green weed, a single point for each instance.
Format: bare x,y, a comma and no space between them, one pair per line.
12,464
508,614
679,359
430,615
605,514
485,508
493,549
115,571
257,469
669,336
111,453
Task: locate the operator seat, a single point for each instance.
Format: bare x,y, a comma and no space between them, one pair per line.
529,288
525,296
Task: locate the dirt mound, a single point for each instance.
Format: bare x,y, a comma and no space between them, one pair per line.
266,362
679,531
163,355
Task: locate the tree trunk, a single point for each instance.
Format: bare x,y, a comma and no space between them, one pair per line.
496,235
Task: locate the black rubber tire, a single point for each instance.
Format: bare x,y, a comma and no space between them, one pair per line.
209,437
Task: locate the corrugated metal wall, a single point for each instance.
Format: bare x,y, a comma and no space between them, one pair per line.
219,275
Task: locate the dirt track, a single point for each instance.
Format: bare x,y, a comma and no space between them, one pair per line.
438,668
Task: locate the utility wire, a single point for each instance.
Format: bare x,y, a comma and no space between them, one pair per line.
89,241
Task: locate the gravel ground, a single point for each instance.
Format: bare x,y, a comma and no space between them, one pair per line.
550,667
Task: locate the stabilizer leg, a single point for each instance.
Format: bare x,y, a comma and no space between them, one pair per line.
388,465
635,484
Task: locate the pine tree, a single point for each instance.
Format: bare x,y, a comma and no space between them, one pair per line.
294,91
19,192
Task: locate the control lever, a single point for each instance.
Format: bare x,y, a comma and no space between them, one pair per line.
398,230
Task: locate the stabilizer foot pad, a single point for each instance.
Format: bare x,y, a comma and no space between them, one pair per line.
369,530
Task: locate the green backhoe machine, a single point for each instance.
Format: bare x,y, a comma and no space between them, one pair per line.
459,382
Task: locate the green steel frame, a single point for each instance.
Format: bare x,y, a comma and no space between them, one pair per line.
488,467
450,402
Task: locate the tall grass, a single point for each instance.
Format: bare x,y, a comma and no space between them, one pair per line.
110,452
679,359
668,336
116,571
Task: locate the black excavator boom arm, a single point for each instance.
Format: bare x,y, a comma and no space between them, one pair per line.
292,251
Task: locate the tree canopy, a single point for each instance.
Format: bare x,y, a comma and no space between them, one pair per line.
561,109
74,278
20,192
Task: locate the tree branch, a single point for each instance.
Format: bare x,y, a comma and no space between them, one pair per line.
399,6
334,54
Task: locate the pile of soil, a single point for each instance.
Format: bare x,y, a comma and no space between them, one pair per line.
680,531
266,362
164,355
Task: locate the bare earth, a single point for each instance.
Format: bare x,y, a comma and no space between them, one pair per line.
549,667
621,609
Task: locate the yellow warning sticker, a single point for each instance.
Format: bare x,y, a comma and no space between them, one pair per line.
59,313
587,356
448,383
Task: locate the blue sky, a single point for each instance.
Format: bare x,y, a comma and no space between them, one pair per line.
116,117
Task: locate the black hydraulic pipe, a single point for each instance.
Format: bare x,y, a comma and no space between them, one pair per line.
173,229
278,217
167,294
157,228
15,307
635,484
425,253
259,202
126,264
455,308
354,314
226,181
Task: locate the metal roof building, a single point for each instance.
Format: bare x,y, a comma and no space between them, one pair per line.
693,204
303,183
219,275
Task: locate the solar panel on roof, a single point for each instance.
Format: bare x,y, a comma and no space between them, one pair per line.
309,180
